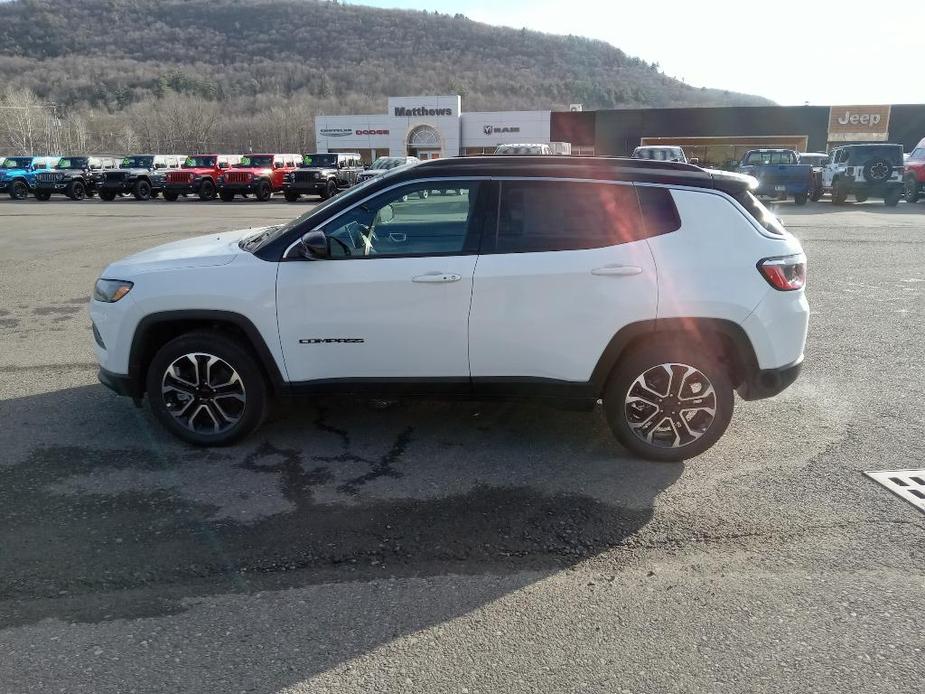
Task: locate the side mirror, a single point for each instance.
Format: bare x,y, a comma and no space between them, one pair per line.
694,161
315,245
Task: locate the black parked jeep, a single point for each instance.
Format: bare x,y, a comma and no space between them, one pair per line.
322,174
142,175
75,177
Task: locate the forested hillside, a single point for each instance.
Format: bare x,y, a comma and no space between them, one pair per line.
108,61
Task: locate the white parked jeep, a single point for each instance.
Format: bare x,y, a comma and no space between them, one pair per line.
865,171
658,287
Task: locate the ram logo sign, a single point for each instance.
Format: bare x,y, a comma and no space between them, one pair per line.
859,123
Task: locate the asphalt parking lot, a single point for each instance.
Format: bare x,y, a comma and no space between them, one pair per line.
458,547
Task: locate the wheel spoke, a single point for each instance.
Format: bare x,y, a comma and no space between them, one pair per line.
191,398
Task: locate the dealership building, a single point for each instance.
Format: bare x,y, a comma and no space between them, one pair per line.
436,126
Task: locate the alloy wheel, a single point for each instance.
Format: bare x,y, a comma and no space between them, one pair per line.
670,405
203,393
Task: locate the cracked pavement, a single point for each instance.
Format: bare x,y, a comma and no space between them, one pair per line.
457,547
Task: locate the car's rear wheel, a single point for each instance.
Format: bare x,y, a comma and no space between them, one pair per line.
206,190
142,190
206,389
892,198
839,194
108,197
860,197
226,196
19,190
76,190
800,198
911,189
668,401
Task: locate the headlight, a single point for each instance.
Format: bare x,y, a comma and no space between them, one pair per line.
110,291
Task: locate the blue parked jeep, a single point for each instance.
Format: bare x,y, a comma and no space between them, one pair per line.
17,174
779,174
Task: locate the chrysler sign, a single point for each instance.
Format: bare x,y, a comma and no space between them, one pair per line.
335,132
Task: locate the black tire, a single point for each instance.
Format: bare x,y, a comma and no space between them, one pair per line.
860,197
226,196
207,190
291,196
107,196
154,194
800,198
251,385
423,194
878,170
263,192
42,195
839,194
892,198
330,190
19,190
911,189
142,190
76,190
170,197
647,359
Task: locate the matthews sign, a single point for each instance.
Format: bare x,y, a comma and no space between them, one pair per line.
401,111
859,123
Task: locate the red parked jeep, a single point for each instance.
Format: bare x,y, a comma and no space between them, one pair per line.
198,176
260,174
914,176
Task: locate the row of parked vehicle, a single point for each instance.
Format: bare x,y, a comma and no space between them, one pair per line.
864,171
206,176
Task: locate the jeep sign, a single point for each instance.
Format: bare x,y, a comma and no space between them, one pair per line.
859,123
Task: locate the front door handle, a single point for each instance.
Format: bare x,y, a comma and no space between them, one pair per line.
437,277
617,270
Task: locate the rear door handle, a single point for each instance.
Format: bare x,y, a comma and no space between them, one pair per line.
617,270
437,277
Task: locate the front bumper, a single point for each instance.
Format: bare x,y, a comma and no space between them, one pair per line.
184,188
306,188
238,188
120,384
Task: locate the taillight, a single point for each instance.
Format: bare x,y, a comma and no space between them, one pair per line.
786,274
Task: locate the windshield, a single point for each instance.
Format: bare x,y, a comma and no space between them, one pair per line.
758,158
72,163
258,241
137,162
387,163
319,160
17,163
253,161
199,163
812,159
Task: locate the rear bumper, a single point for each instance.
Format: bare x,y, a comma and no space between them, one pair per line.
876,190
767,383
773,188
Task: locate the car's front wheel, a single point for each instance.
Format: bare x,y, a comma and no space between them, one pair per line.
19,190
142,190
668,402
206,389
911,189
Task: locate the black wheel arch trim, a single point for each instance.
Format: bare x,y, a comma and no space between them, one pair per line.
139,357
745,363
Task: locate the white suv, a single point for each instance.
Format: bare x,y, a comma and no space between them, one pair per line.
657,287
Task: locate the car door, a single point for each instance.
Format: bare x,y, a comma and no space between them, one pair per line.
828,171
392,300
565,269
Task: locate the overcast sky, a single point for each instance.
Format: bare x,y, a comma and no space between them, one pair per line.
791,51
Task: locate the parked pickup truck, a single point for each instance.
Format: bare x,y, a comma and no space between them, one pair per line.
779,174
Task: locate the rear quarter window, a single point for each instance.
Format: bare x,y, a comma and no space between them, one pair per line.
538,216
659,212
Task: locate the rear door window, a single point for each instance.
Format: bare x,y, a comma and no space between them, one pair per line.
539,216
